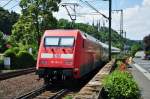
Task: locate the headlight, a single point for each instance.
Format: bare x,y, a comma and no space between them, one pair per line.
68,62
43,62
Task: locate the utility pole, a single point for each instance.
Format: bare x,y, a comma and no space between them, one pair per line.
37,22
125,41
122,32
110,10
121,21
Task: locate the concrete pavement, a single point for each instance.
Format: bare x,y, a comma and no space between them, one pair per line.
141,73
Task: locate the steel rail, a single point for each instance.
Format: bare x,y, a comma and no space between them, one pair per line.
59,94
37,92
4,76
33,93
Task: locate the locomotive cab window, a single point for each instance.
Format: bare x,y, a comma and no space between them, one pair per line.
59,41
51,41
67,41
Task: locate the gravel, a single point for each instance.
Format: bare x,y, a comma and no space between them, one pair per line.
16,86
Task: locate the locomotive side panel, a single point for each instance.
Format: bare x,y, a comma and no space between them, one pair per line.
90,55
78,56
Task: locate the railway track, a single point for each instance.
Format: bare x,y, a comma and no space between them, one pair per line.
8,75
56,91
52,94
44,93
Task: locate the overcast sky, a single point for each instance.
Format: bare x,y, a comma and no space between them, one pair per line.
136,14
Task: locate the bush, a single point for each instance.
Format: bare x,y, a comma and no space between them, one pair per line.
19,58
15,49
2,43
147,52
121,85
118,63
26,48
11,53
1,64
25,60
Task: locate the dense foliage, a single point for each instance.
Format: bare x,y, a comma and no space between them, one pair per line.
24,32
25,59
20,58
36,17
121,85
135,48
2,43
146,41
7,20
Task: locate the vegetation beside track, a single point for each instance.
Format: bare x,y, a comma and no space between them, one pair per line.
20,59
94,87
120,84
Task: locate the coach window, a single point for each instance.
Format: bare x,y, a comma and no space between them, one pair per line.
51,41
67,41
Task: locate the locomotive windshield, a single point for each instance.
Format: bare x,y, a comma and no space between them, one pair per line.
51,41
66,41
59,41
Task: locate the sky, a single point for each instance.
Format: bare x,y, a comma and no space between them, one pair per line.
136,14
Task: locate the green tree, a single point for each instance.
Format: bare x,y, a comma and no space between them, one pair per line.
146,41
36,18
135,48
24,33
63,24
7,20
2,43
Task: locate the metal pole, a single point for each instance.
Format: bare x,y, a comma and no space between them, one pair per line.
125,41
121,22
37,24
110,9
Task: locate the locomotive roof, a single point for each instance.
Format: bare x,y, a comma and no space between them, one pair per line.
62,30
73,31
112,48
85,35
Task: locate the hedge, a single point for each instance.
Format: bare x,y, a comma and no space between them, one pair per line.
13,58
25,59
121,85
19,59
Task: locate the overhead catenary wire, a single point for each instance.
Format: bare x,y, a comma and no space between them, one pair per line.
7,3
88,4
14,6
96,10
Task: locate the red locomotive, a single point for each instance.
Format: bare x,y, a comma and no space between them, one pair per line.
68,54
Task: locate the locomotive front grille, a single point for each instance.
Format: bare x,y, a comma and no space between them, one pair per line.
54,72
